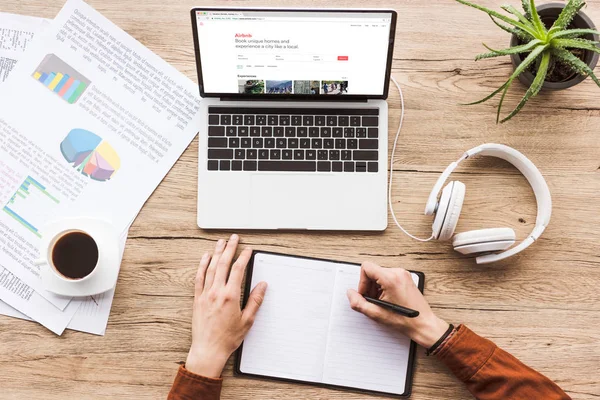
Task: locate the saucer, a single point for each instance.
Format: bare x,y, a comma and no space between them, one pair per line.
109,262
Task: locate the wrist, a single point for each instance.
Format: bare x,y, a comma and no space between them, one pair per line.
206,364
429,331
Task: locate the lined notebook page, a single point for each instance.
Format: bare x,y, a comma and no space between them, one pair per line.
360,352
289,334
305,329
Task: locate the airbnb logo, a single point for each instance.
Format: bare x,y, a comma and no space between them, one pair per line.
243,35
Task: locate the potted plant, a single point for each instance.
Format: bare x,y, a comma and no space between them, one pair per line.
553,46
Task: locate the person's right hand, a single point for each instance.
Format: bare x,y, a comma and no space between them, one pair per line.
395,285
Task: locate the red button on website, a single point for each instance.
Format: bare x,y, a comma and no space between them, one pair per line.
342,58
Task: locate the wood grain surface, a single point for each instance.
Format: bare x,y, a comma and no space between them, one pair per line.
543,305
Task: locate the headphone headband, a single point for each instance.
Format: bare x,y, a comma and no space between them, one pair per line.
531,173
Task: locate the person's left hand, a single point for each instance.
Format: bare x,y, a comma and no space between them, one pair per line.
218,324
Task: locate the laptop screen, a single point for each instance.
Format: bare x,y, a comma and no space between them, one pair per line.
293,53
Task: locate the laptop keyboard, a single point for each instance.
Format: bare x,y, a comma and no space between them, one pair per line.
293,139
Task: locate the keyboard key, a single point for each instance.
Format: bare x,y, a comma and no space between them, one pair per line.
278,131
234,142
317,143
337,132
355,120
334,155
240,154
275,154
372,167
370,121
352,143
305,143
311,154
313,132
328,143
217,142
340,143
308,120
343,121
373,132
324,166
255,131
242,131
365,155
263,154
281,143
261,120
322,154
216,131
286,154
284,120
292,166
213,165
224,165
348,166
370,144
273,119
301,131
237,119
251,154
248,119
348,132
296,120
298,154
220,154
269,143
246,142
319,120
331,120
326,132
213,120
336,166
361,132
257,143
293,143
346,155
361,166
225,119
250,165
290,131
236,165
231,131
267,131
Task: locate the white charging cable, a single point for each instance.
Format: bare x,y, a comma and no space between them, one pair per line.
392,166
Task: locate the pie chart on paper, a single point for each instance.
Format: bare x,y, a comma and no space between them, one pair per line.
90,154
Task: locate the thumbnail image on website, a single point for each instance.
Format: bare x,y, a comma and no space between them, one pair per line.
253,86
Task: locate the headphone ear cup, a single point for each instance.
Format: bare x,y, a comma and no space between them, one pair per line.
450,205
484,240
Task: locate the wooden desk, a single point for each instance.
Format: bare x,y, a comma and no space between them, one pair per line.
543,306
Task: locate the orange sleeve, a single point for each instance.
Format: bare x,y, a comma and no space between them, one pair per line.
491,373
189,386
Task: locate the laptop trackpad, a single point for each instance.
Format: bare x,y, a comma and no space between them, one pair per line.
291,201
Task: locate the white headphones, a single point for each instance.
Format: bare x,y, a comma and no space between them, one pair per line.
447,209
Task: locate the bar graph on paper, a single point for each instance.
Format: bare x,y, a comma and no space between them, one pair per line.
31,205
61,78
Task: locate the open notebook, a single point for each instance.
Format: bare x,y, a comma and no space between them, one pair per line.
306,331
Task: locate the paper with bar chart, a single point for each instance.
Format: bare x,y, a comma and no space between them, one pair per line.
91,155
61,78
30,205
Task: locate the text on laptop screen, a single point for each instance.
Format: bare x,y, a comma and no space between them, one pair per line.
293,52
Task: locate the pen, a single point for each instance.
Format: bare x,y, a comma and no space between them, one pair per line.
407,312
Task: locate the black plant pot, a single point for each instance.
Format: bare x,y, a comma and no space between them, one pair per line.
548,14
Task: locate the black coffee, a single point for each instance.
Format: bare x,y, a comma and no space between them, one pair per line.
75,255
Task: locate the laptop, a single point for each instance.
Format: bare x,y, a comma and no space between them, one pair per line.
294,122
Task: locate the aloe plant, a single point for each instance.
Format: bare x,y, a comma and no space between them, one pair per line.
544,46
